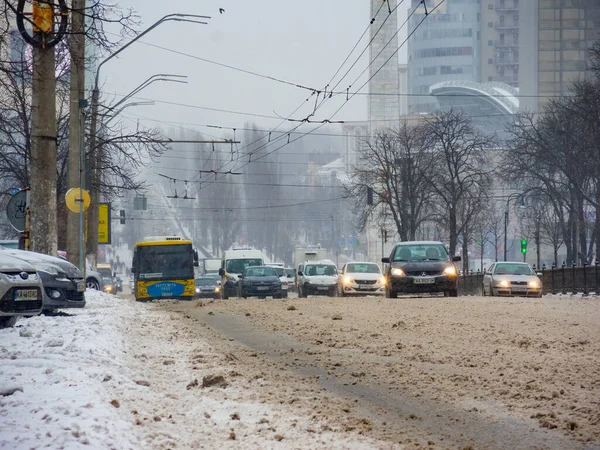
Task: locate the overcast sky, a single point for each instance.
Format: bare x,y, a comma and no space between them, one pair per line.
301,42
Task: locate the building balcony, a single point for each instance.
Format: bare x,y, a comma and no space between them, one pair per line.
507,43
512,81
506,5
507,61
507,25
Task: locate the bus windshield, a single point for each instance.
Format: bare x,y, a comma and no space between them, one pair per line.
165,262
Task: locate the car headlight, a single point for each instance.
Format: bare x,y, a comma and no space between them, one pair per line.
397,272
504,284
348,280
197,289
534,284
217,289
450,271
382,280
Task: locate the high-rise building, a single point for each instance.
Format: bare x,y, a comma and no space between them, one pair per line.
500,43
564,33
383,70
444,47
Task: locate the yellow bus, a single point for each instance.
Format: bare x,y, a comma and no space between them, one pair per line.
163,268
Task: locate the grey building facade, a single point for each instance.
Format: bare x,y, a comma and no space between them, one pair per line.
446,46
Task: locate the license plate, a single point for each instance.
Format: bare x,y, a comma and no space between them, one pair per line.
424,280
263,288
518,288
323,288
364,286
81,286
26,294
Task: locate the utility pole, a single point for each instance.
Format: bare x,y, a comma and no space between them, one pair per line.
77,93
43,135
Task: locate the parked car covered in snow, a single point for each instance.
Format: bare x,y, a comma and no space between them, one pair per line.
64,285
20,290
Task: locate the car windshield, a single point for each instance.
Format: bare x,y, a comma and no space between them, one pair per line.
362,268
290,273
105,272
513,269
239,265
320,269
421,252
280,271
260,272
205,281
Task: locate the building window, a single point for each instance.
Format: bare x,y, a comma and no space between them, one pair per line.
490,24
490,43
490,61
490,6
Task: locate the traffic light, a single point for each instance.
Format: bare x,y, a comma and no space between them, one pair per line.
369,196
523,246
122,216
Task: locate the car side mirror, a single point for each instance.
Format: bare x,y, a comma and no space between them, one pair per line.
299,274
241,276
456,258
385,260
221,273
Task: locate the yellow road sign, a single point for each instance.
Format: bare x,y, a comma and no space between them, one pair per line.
76,197
104,223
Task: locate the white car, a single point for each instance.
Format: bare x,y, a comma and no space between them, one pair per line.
361,278
317,278
280,271
511,278
21,290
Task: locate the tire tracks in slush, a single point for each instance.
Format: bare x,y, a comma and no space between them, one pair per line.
392,408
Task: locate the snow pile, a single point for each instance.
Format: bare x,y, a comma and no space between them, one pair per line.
56,367
126,375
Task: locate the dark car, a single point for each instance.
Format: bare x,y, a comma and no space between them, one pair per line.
207,287
64,285
421,267
259,281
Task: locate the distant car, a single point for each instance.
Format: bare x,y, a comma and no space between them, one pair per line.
285,284
109,285
416,267
21,290
511,278
361,278
291,278
207,287
259,281
64,285
317,278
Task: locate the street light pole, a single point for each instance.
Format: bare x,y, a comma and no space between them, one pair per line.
510,197
95,196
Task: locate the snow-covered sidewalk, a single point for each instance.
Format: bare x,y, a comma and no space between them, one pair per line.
120,374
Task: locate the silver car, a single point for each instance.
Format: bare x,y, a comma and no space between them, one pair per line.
511,278
21,290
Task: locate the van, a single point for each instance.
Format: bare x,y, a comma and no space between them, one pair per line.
233,264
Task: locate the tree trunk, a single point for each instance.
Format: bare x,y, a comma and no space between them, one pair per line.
42,199
92,167
77,51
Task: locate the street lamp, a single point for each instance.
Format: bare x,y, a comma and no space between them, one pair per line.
93,215
510,197
148,82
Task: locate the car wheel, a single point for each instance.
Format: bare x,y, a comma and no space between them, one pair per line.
300,293
8,322
453,293
391,293
90,283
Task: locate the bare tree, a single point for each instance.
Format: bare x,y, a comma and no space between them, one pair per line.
458,176
393,164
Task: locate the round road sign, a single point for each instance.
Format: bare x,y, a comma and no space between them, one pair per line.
77,199
16,210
